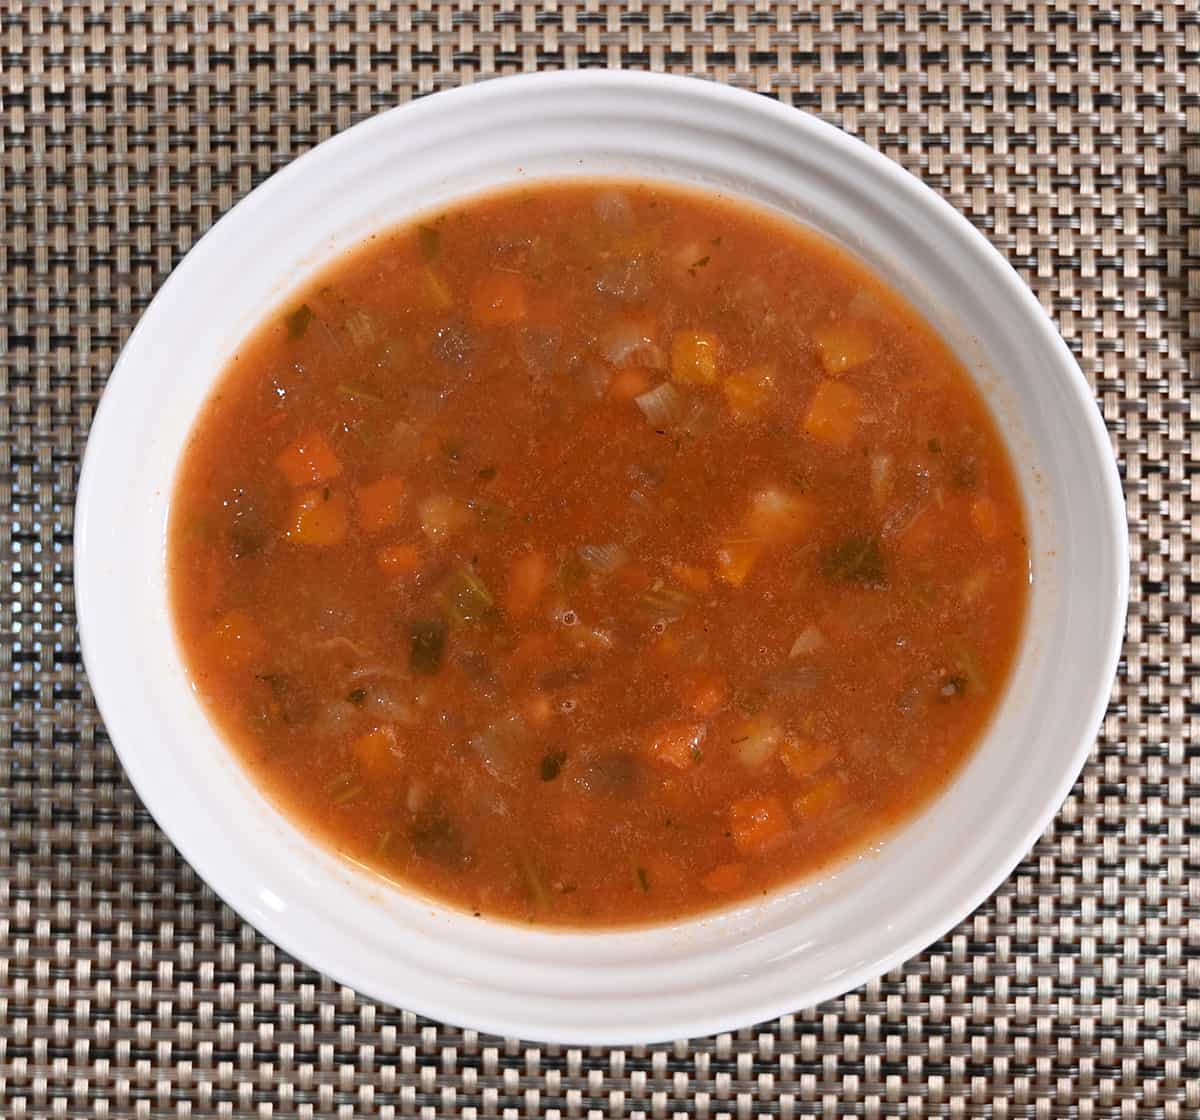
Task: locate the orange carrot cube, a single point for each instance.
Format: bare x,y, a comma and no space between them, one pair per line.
758,824
376,753
526,581
677,744
380,504
309,462
725,878
735,559
500,298
398,559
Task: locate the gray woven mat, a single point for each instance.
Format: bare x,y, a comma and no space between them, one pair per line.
1067,131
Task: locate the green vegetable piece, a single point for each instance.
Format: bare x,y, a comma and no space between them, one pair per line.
434,836
643,879
428,647
552,765
430,240
465,597
357,696
298,320
858,560
533,881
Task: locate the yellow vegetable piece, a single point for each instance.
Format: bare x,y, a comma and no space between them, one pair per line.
821,797
802,758
776,516
735,559
747,393
694,357
843,346
834,413
320,519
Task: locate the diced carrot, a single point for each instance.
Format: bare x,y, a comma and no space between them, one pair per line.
834,413
379,503
725,878
843,346
705,693
237,637
376,753
735,559
398,558
321,518
985,516
758,824
628,383
527,576
694,357
677,744
821,797
802,758
500,298
309,462
694,579
747,393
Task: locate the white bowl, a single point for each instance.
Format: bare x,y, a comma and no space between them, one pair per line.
804,944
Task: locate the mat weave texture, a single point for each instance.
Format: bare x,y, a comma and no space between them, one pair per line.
1068,132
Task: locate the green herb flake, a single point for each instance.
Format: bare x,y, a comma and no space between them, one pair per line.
857,560
552,765
486,473
430,241
357,696
935,446
643,879
701,262
298,320
428,646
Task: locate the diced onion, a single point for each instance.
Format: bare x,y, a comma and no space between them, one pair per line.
603,558
663,405
630,343
881,477
757,742
809,640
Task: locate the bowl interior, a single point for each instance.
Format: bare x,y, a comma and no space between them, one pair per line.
801,945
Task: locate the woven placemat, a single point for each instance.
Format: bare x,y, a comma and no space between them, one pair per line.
1067,131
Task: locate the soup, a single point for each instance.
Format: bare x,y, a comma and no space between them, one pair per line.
597,553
